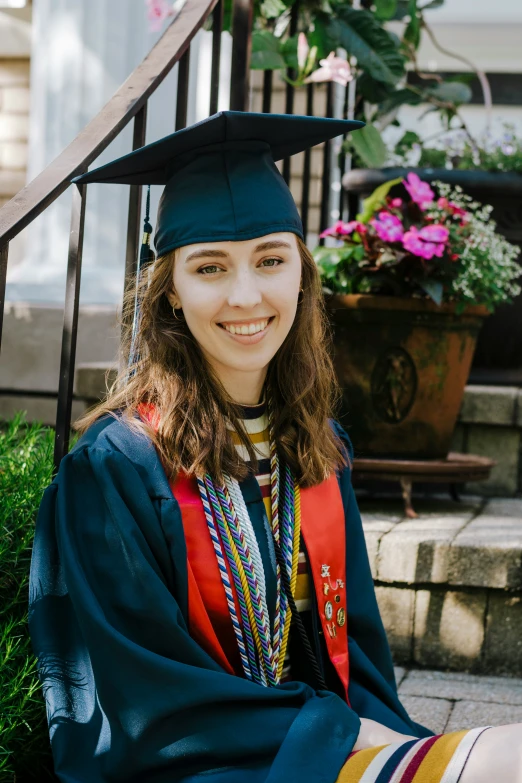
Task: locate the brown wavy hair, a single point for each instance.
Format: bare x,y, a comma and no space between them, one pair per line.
191,402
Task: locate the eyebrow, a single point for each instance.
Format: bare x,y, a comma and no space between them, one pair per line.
212,253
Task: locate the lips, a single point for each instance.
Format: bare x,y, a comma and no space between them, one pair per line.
238,324
248,339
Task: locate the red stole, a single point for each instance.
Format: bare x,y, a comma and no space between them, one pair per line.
323,530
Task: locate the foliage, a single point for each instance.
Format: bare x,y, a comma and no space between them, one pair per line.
458,151
26,459
445,249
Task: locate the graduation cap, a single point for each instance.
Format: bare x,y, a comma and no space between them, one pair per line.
221,181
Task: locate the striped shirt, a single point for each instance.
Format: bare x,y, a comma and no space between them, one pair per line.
255,420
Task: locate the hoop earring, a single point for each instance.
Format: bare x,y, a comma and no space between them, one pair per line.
174,314
299,300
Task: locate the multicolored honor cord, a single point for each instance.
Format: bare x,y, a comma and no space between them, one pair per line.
262,652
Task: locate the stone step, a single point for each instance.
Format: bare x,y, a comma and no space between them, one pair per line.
449,584
450,701
490,424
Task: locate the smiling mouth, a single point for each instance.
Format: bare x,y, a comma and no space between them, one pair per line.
266,321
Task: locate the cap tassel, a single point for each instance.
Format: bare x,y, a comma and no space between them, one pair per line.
146,258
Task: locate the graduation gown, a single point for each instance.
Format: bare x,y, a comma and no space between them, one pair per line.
131,694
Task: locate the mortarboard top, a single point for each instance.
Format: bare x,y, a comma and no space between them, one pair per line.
221,181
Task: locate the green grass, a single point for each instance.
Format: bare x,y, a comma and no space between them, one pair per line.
26,463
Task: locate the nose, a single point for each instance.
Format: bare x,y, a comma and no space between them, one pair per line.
244,290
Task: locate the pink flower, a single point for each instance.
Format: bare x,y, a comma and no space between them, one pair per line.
434,233
344,229
420,191
450,206
157,12
414,242
396,203
334,69
302,50
388,227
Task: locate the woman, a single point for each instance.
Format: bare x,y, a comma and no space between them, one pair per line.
208,507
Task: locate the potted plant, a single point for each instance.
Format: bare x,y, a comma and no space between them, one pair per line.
489,169
408,285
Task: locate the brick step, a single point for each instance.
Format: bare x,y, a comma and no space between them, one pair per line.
449,584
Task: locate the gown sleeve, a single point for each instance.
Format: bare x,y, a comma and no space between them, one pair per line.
372,688
130,695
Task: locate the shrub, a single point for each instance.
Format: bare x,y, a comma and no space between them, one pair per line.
26,463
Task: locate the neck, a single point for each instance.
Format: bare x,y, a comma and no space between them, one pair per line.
244,388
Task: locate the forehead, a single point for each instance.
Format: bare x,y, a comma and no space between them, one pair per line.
283,240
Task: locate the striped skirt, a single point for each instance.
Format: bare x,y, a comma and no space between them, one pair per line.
439,759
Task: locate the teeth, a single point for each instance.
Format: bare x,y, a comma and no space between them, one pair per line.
247,328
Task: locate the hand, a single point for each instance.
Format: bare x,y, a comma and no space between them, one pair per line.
373,734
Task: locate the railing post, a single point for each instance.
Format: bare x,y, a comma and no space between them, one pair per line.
134,213
4,255
70,324
305,195
267,91
183,84
242,13
217,29
290,91
325,186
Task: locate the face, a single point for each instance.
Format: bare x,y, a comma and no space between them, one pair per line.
239,284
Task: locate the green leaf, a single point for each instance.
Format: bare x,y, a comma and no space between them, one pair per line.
403,97
406,142
370,147
372,90
452,92
326,35
363,37
385,9
412,33
265,51
433,288
376,200
264,40
288,51
270,9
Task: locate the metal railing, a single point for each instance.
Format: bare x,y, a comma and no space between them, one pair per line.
130,103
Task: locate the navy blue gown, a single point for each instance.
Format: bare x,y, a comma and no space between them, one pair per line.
130,695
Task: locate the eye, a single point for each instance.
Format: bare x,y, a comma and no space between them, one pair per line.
202,270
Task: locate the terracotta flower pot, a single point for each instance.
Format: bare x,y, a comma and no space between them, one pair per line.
498,356
403,365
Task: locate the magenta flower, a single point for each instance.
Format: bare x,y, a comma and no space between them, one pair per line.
434,233
157,12
418,244
341,229
388,227
396,203
420,191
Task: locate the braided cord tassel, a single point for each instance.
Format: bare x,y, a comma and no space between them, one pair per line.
274,497
225,580
262,626
296,508
238,581
287,551
238,501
